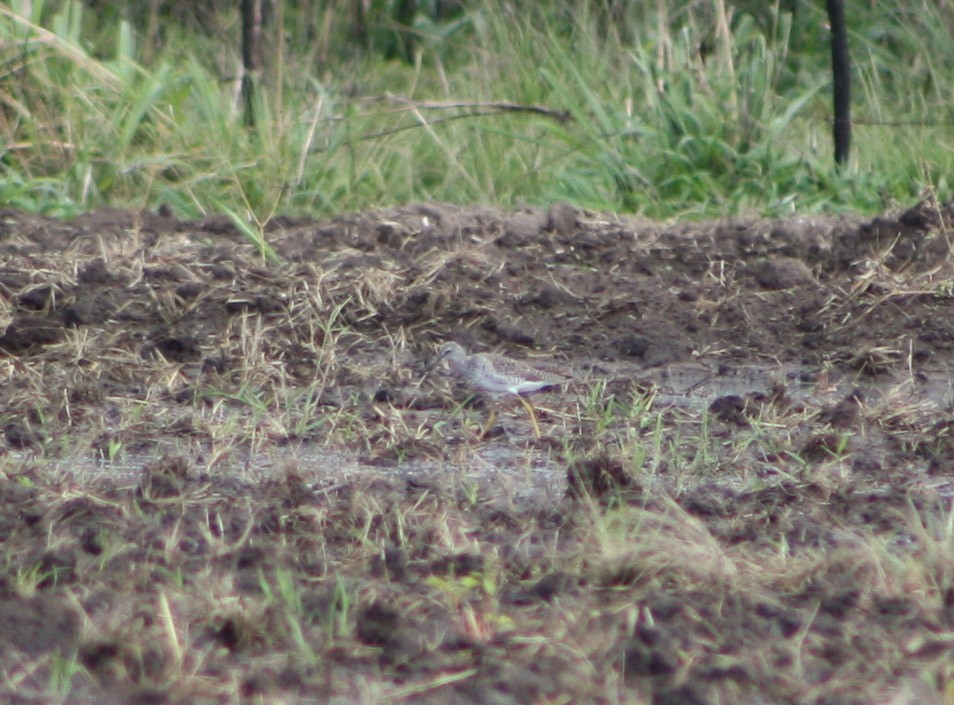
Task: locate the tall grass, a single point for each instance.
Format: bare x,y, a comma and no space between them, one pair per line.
688,108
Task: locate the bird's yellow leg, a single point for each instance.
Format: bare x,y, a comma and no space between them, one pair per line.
533,416
489,424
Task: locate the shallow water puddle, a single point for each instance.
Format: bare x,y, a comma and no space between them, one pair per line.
494,472
509,469
697,385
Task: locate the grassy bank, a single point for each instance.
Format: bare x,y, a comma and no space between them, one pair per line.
691,110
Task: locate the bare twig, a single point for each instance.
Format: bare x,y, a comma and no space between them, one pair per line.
475,109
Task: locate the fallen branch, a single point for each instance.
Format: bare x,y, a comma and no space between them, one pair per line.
497,106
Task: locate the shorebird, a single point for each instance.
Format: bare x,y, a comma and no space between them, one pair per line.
497,374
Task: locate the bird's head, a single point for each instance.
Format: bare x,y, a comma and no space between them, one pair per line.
450,350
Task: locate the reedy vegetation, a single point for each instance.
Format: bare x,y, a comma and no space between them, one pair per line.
676,109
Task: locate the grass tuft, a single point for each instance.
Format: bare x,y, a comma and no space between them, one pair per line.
673,110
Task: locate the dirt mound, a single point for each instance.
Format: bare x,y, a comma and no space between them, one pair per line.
587,287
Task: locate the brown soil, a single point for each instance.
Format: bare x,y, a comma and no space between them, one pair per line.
786,543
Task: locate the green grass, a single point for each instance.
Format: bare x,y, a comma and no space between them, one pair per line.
690,113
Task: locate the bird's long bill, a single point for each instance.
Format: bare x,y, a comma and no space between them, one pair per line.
433,363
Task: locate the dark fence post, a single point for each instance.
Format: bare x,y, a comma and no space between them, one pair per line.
251,56
841,75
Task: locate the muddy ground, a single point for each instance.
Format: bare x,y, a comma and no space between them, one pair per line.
227,477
